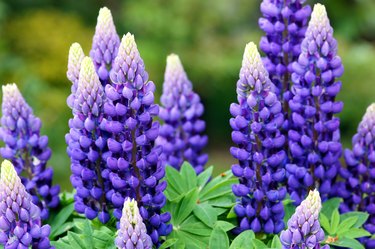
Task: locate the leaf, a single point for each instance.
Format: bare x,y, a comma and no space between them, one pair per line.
243,240
219,239
289,210
335,220
168,243
60,219
75,240
188,173
223,201
330,205
222,188
87,234
204,177
61,244
193,241
206,213
195,226
231,213
346,224
63,228
220,178
174,179
324,222
258,244
187,205
348,243
276,242
355,233
226,226
362,217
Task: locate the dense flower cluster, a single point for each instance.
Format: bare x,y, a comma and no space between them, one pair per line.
132,232
104,45
314,135
134,168
87,144
358,189
284,23
181,134
27,149
304,229
20,222
256,123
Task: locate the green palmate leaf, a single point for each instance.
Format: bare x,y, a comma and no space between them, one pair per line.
206,213
276,242
175,180
220,189
324,222
188,174
289,209
204,176
346,224
61,244
258,244
87,234
335,220
103,238
194,226
361,216
193,241
226,226
220,178
330,205
348,243
75,240
243,240
219,239
168,243
187,205
60,219
220,211
231,213
63,228
355,233
223,201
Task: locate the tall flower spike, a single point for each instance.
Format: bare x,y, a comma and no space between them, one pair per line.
304,229
132,232
27,149
358,188
133,162
181,135
314,135
104,45
87,144
75,58
256,121
20,223
284,23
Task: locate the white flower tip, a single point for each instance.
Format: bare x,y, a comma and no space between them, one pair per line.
314,199
371,109
174,64
8,173
104,17
11,92
75,53
252,60
319,16
128,40
88,77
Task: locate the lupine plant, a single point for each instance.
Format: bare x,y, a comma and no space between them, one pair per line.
138,184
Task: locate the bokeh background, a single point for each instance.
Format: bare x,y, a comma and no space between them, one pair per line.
209,36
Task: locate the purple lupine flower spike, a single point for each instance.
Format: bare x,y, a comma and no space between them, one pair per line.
314,135
27,149
133,162
132,232
87,144
20,222
284,23
75,58
104,45
256,123
181,135
358,188
304,231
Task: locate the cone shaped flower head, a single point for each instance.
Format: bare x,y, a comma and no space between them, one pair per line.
181,135
256,121
134,168
284,23
104,45
314,135
304,229
20,222
75,58
87,144
27,149
358,188
132,232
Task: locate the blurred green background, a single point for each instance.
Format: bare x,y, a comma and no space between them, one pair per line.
209,36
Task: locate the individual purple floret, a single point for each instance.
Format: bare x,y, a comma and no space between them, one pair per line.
133,164
314,135
132,232
358,187
181,135
285,23
87,145
27,149
104,45
256,123
75,58
20,221
304,229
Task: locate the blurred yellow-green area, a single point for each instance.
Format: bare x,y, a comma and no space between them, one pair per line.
209,36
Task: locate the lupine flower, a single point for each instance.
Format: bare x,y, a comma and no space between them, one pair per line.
256,121
304,231
358,189
284,23
181,135
20,222
87,144
133,165
75,58
314,135
27,149
132,232
104,45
